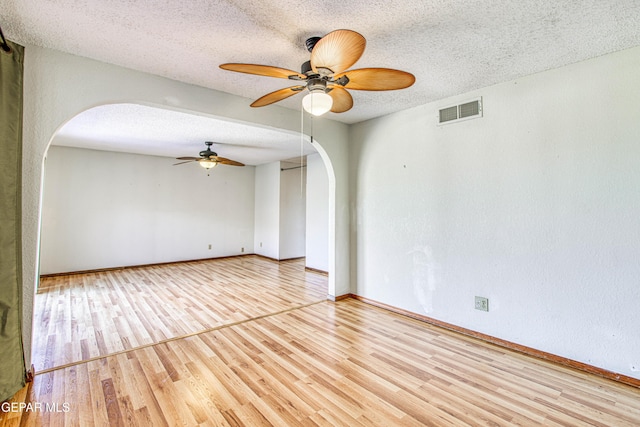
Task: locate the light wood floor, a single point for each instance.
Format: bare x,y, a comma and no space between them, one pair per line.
83,316
324,363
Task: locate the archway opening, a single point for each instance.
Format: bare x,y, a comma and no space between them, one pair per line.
103,210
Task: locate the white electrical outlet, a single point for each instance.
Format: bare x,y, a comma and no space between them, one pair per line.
482,303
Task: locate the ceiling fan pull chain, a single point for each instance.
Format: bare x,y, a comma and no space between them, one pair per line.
301,148
311,115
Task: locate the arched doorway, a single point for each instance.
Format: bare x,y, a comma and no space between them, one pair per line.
54,94
105,209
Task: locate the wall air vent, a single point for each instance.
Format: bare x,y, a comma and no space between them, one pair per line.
448,114
456,113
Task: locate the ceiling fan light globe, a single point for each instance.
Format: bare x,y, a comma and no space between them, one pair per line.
317,102
207,164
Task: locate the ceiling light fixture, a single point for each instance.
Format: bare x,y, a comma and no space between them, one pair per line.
207,164
317,101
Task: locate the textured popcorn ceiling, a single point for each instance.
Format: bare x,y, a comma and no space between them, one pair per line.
452,47
141,129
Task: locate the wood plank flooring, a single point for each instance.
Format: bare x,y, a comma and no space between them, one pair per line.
10,417
83,316
326,364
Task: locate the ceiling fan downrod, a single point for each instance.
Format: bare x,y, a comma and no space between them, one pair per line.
208,153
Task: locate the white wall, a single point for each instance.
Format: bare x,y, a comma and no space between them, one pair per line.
279,212
104,209
535,206
317,220
267,210
292,211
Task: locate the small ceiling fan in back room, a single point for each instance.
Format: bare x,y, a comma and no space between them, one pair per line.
326,76
209,159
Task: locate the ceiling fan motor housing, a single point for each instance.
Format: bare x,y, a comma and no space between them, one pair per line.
317,84
208,153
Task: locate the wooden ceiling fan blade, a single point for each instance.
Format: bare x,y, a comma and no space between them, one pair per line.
225,161
377,79
187,158
188,161
276,96
337,51
263,70
342,100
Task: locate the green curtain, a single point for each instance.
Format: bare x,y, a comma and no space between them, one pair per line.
12,366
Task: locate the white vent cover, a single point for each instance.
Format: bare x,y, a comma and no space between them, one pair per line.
465,111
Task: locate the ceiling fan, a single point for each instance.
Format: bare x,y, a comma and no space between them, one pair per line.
325,75
209,159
